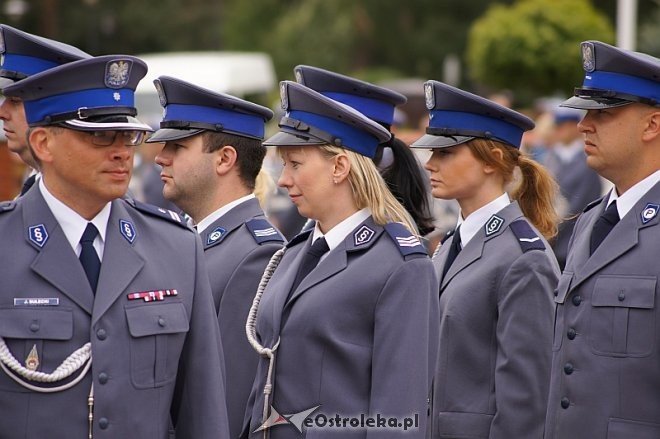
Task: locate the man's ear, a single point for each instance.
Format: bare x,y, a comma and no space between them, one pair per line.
40,141
651,127
225,159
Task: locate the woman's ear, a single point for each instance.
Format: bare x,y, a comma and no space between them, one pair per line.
499,156
341,169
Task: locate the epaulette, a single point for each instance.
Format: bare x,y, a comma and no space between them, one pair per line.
593,204
263,231
158,212
527,237
299,238
7,206
406,242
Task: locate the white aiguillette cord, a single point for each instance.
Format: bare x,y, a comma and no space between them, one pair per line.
80,358
252,335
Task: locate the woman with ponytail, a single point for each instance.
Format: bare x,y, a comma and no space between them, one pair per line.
346,315
496,270
393,158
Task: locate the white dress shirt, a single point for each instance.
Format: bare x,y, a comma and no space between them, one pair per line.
625,202
214,216
339,232
477,219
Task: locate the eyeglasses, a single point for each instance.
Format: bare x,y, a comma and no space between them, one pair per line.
107,138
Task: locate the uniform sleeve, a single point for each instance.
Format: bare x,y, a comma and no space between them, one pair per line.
199,410
524,347
404,351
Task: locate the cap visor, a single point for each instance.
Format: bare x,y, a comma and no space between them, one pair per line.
169,134
288,139
110,123
431,141
590,104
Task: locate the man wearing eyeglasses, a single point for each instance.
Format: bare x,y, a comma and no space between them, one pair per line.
23,55
107,323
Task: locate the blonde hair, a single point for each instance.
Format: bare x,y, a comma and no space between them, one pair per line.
536,191
370,190
264,187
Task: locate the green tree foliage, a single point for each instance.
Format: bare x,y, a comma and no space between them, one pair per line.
532,47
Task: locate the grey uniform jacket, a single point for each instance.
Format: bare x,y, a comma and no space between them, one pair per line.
496,312
606,354
358,335
150,358
237,248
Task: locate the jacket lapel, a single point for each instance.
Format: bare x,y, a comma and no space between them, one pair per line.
474,249
229,222
55,261
579,252
121,262
623,237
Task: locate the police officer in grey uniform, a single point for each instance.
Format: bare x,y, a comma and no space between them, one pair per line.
210,161
348,319
24,55
605,381
496,271
107,326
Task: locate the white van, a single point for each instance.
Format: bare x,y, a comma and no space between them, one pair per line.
236,73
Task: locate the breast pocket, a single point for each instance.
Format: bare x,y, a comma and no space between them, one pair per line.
41,329
622,321
158,331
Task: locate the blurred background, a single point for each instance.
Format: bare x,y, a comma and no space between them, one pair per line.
522,53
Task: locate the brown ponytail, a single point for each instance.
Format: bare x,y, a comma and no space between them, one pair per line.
536,191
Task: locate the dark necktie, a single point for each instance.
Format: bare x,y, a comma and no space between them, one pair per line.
603,225
88,257
28,184
454,250
310,260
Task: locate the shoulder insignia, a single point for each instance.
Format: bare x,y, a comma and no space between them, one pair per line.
527,237
7,206
406,242
159,212
300,237
593,204
263,231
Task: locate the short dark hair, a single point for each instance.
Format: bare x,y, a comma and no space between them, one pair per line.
249,153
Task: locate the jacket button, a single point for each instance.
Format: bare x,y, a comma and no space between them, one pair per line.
103,423
103,378
101,334
161,322
568,368
556,293
565,403
577,300
34,326
571,333
622,296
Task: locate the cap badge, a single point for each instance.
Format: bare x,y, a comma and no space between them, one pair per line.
161,92
117,73
284,96
588,57
428,96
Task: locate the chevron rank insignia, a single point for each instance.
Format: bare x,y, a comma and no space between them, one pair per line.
263,231
407,243
527,237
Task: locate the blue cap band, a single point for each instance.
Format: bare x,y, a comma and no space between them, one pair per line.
27,65
632,85
458,120
37,110
372,108
231,121
351,138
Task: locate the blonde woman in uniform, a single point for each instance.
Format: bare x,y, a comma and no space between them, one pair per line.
346,317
